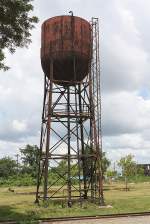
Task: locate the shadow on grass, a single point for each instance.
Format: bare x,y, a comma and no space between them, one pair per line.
8,213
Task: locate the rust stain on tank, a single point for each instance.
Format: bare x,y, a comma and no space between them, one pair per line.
66,40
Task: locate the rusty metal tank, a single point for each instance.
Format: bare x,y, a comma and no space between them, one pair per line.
67,41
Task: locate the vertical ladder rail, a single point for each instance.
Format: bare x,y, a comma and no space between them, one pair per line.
96,92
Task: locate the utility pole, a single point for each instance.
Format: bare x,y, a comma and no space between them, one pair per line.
17,161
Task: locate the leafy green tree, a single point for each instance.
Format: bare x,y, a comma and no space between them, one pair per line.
15,26
105,162
30,156
128,167
111,173
139,171
89,161
61,170
8,167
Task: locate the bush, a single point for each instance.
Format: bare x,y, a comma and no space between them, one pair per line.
21,180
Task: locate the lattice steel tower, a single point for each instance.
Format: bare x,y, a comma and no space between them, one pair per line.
71,146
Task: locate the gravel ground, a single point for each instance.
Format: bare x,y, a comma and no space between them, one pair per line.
129,220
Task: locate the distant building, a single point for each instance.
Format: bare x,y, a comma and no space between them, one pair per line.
146,168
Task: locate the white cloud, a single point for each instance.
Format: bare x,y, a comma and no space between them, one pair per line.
125,112
19,126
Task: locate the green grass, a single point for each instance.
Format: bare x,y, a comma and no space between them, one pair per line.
21,207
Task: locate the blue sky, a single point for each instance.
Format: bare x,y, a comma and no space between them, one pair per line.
125,67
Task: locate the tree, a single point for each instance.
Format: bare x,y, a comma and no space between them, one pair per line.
105,162
15,26
30,157
61,171
89,161
128,167
139,170
8,167
61,168
111,174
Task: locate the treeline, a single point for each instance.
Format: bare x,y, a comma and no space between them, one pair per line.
22,170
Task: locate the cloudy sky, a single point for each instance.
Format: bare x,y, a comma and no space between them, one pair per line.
125,67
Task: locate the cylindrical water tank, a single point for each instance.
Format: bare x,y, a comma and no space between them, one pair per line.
67,41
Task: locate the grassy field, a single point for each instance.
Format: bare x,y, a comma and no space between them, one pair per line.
14,205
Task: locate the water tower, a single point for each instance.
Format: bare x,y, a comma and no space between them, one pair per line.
70,165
